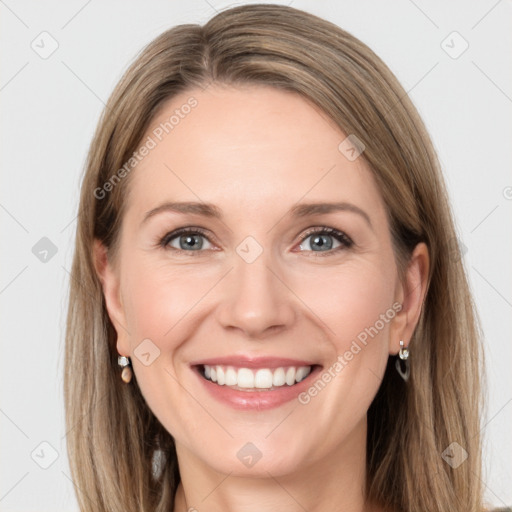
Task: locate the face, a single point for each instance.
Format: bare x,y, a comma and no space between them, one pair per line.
291,308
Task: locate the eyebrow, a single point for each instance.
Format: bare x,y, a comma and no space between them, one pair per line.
299,210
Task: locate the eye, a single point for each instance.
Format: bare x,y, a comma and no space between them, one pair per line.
324,239
185,239
318,240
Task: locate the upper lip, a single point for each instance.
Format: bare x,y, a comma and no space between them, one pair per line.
244,361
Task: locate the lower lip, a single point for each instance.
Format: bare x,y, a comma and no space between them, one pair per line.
257,399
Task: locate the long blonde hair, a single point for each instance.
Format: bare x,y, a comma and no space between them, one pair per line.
114,439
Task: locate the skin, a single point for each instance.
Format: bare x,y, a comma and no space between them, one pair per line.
254,152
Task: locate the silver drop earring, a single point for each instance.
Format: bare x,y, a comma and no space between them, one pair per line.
403,355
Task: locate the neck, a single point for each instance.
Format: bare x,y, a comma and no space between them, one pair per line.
337,479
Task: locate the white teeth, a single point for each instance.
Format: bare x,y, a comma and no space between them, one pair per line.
245,378
279,377
231,378
301,373
221,380
262,378
290,376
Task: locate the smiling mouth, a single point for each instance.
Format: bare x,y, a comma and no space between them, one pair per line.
255,379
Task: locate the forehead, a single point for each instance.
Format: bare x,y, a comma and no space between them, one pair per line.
246,147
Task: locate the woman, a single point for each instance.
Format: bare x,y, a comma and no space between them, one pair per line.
215,360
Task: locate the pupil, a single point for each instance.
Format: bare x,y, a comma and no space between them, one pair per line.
188,241
323,241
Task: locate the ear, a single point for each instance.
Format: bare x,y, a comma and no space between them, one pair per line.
110,282
411,295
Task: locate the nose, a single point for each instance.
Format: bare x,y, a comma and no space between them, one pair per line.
256,300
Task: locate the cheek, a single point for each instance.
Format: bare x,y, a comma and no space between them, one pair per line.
345,301
351,300
158,298
159,301
354,304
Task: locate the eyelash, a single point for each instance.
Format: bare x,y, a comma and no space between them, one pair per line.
341,237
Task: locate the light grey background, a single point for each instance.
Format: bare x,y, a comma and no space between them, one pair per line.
50,107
